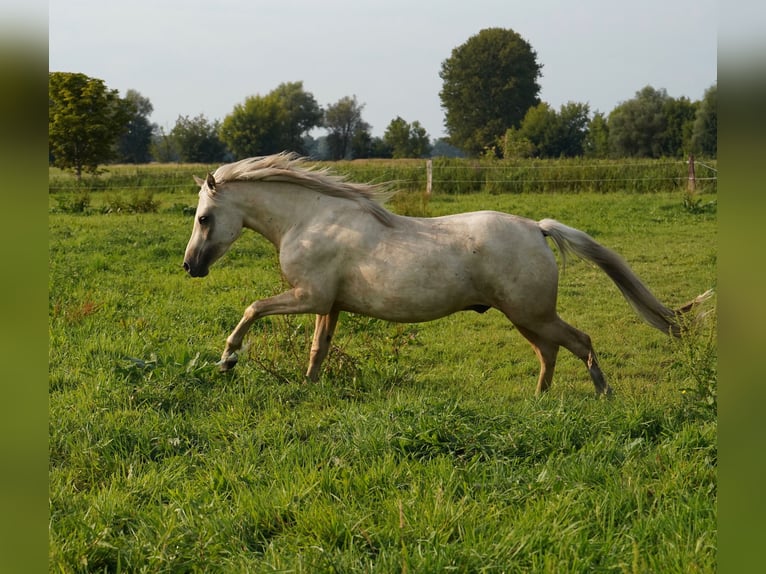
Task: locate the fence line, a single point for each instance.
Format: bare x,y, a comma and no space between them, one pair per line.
430,169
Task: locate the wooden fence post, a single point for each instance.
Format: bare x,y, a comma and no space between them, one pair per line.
692,185
429,176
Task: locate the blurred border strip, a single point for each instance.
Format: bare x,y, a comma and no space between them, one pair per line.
23,287
742,286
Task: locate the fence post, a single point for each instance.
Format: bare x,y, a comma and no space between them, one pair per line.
429,176
692,185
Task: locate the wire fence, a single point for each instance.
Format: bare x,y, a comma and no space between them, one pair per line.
439,175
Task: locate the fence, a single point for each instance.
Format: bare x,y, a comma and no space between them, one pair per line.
442,176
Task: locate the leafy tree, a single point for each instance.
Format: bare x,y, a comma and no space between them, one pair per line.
362,143
540,128
406,140
705,128
253,128
442,148
489,83
134,145
637,127
379,148
343,121
596,143
573,121
547,133
196,140
271,123
163,148
85,119
652,124
679,118
303,114
516,145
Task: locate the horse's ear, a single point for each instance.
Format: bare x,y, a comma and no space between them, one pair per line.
200,182
210,181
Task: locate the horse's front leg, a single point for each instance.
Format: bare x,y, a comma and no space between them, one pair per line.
325,327
294,301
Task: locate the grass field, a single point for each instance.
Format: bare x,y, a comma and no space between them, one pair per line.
421,449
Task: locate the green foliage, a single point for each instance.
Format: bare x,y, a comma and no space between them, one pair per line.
303,114
637,126
489,83
272,123
134,145
652,124
546,133
253,127
406,140
705,129
421,448
140,201
679,114
345,127
596,143
85,119
195,140
697,364
77,202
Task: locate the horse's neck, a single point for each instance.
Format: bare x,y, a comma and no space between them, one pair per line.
272,208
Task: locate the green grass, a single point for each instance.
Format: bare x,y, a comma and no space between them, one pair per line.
421,449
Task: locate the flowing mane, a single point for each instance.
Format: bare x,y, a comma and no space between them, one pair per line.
288,167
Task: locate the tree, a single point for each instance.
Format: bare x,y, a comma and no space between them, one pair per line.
272,123
652,124
196,140
679,122
705,128
489,83
303,114
573,121
596,143
134,145
406,140
547,133
253,128
442,148
637,127
84,121
343,121
540,127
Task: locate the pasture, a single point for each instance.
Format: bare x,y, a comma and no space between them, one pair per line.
422,447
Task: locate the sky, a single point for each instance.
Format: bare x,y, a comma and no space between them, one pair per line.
191,57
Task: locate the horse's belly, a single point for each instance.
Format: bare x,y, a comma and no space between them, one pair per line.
415,294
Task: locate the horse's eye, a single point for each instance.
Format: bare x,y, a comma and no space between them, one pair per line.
204,219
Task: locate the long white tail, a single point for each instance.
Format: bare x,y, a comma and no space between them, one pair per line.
648,307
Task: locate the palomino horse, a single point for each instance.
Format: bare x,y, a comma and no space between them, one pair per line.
341,250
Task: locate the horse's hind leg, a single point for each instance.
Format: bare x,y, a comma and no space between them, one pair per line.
560,333
323,331
579,344
546,352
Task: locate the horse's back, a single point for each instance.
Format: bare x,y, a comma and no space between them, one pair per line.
419,269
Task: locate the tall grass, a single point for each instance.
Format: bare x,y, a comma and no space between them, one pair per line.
421,448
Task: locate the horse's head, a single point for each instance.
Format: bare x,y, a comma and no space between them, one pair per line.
217,223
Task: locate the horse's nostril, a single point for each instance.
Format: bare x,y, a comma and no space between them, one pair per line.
186,266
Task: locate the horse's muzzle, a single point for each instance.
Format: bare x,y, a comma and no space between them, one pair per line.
195,272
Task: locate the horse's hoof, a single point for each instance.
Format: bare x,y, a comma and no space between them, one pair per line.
227,364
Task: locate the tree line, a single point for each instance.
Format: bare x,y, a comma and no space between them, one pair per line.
490,95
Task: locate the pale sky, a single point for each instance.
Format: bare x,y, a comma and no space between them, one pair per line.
191,57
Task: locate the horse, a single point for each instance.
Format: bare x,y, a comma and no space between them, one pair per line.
340,249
